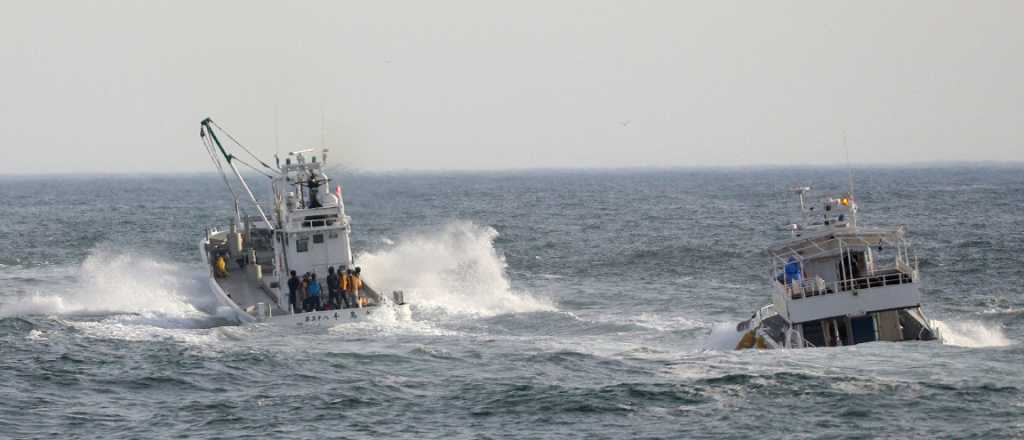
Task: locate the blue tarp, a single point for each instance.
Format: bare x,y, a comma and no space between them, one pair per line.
792,270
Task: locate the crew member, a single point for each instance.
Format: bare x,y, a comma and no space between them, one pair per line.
220,267
293,287
350,299
304,292
343,275
314,292
314,191
332,288
355,284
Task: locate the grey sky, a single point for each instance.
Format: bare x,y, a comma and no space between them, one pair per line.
122,86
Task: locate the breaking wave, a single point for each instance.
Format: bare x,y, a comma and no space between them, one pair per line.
111,281
970,334
723,337
455,270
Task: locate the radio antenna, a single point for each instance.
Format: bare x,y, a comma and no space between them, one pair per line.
849,175
323,127
277,138
849,169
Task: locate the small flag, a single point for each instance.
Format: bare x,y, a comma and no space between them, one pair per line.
337,191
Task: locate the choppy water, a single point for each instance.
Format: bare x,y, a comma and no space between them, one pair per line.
546,305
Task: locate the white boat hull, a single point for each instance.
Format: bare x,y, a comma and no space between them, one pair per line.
336,317
227,308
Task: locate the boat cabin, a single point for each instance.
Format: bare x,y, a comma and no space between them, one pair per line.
838,283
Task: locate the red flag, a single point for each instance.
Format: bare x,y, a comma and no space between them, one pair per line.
338,192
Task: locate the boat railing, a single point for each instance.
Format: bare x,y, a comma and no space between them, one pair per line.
319,218
317,221
796,339
883,277
763,313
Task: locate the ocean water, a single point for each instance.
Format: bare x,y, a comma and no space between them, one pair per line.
556,304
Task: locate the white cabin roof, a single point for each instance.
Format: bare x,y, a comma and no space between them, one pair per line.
818,242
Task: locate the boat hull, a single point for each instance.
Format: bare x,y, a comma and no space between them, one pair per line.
340,316
766,329
228,308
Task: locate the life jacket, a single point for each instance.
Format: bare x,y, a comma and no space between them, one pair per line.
356,282
343,281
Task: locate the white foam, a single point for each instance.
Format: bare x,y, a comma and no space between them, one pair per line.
36,336
723,337
970,334
132,328
455,270
391,321
110,281
665,323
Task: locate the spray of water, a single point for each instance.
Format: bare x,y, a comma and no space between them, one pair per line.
970,334
723,337
956,333
113,281
455,270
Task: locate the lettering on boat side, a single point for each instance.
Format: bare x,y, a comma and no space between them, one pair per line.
354,314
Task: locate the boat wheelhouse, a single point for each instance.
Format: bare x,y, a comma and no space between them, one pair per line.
837,283
308,232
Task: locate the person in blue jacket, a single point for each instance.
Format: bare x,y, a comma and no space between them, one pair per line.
314,292
793,271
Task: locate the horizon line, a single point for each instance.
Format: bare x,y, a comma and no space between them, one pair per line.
336,168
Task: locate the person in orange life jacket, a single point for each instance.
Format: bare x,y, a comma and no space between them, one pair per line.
349,295
356,284
342,286
304,292
344,275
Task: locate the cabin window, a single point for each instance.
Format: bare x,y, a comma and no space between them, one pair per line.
318,238
332,235
302,245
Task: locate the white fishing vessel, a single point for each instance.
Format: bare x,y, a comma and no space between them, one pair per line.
838,283
251,262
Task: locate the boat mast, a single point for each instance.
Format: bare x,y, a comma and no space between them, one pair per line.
230,160
849,175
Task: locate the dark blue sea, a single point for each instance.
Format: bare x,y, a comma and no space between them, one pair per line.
553,304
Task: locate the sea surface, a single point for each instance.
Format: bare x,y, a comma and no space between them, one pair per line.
554,304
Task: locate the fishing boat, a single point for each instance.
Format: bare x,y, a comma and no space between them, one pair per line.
251,262
837,283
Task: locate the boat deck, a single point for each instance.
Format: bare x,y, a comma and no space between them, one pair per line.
246,292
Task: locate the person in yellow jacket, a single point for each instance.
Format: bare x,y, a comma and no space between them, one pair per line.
354,285
220,267
343,287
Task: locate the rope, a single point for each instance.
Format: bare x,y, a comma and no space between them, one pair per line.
241,146
209,150
253,168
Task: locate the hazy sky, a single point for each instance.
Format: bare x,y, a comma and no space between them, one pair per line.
122,86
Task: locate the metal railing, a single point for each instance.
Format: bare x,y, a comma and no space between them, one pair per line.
896,275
